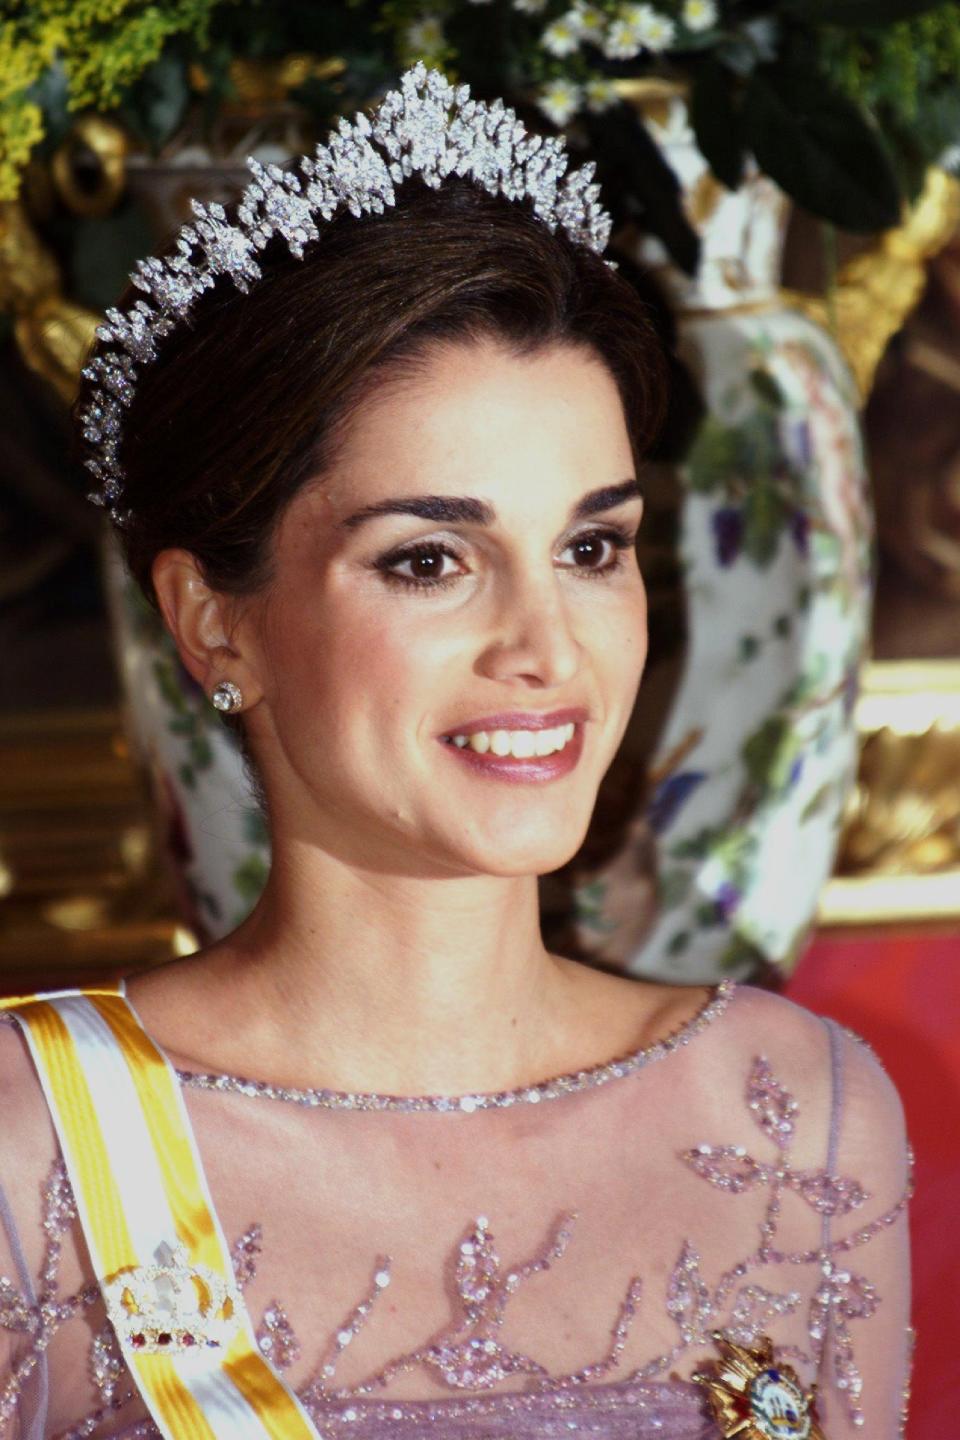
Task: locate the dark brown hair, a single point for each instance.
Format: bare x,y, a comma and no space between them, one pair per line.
246,401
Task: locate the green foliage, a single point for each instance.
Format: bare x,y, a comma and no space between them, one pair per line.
716,123
101,46
907,75
843,102
820,147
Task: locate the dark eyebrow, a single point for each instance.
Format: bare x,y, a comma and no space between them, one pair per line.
464,510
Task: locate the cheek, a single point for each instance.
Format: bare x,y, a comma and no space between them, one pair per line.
350,658
625,641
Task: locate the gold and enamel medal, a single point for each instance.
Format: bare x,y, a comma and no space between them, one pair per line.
753,1397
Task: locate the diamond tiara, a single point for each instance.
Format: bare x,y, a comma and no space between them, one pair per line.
428,127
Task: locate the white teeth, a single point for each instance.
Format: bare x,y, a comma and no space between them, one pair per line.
523,744
545,742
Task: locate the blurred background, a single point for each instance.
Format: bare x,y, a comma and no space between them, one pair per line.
786,805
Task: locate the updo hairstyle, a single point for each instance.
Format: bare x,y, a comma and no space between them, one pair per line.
249,398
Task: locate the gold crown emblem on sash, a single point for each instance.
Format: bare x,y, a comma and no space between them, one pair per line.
172,1306
756,1398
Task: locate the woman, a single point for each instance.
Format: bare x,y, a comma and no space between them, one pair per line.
385,496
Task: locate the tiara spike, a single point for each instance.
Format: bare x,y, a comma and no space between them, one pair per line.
426,127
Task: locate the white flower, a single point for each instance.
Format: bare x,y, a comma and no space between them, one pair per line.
588,21
620,41
653,30
559,100
560,38
600,93
529,7
425,36
699,14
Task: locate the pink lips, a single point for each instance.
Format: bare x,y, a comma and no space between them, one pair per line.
529,769
522,720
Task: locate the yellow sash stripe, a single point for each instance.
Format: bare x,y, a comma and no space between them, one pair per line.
275,1407
80,1133
11,1002
105,1223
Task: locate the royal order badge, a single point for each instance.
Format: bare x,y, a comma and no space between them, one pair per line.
753,1397
172,1306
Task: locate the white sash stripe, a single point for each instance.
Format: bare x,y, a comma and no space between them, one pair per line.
133,1161
139,1181
224,1408
213,1400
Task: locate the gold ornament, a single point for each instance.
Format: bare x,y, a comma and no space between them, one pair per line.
107,145
878,289
172,1306
754,1397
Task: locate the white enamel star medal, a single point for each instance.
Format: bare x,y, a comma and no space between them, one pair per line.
754,1397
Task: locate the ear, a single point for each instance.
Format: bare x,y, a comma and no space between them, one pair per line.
203,624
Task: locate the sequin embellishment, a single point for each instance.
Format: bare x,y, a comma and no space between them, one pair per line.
465,1104
471,1356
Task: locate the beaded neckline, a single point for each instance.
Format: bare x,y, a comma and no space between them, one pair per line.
464,1104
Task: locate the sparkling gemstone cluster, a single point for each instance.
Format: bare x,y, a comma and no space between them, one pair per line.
428,128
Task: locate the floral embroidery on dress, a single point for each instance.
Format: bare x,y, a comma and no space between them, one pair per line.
469,1355
841,1295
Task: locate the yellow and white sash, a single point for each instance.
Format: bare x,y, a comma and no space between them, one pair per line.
141,1195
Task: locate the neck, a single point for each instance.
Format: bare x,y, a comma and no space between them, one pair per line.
364,981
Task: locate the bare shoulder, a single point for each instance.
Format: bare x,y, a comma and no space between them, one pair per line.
627,1012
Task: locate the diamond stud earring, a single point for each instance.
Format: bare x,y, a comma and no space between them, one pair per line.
226,697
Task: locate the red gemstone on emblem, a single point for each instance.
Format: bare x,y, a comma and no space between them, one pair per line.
188,1339
164,1338
138,1340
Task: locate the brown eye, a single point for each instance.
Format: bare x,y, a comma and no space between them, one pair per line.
426,564
590,548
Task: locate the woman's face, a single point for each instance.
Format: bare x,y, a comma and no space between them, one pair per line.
384,632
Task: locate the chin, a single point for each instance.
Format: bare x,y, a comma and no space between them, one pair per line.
538,855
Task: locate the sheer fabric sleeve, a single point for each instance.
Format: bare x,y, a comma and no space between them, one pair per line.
22,1372
864,1292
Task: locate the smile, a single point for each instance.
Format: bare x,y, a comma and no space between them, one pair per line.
521,744
519,756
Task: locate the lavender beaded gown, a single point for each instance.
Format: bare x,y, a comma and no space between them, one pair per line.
542,1262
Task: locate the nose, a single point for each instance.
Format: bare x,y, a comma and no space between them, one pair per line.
533,636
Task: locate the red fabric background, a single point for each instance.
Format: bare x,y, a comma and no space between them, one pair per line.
901,992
